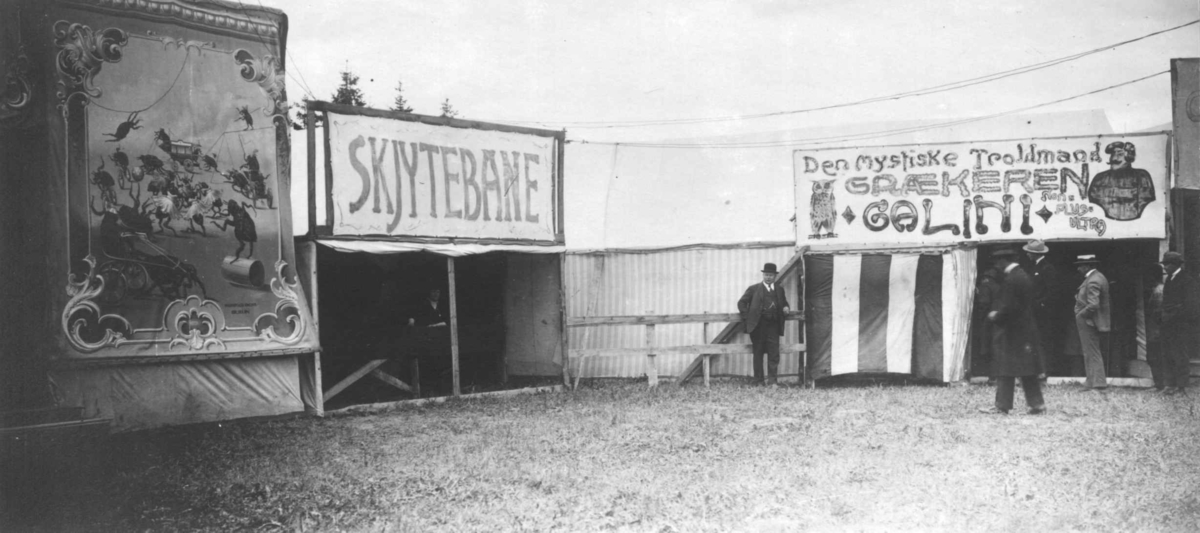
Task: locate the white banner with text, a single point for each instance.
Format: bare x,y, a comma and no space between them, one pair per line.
1107,187
400,178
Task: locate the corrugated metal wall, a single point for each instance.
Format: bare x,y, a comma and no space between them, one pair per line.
662,283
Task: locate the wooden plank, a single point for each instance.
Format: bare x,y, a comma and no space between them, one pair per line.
707,370
320,410
453,323
431,120
560,233
314,305
328,177
390,380
564,337
355,376
310,129
652,370
578,371
712,349
637,320
94,362
416,377
387,406
327,235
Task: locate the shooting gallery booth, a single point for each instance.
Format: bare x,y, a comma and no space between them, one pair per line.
434,253
900,241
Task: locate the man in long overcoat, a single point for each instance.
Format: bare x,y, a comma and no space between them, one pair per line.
1180,322
763,307
1014,338
1048,308
1093,312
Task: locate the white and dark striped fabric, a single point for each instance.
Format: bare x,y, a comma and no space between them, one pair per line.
888,313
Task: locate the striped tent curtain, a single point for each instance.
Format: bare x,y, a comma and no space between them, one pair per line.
903,313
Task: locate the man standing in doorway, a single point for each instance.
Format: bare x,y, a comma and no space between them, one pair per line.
1180,322
1092,312
763,307
1014,338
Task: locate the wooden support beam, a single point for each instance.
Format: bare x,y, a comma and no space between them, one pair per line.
652,369
635,320
328,222
707,361
416,377
390,380
355,376
310,129
453,324
696,349
316,368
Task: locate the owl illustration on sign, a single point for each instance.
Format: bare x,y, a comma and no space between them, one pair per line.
823,212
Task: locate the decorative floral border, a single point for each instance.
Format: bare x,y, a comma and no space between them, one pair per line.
194,323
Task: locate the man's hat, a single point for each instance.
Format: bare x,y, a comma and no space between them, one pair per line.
1086,259
1036,247
1003,252
1172,258
769,268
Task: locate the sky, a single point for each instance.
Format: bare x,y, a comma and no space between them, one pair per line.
568,63
589,66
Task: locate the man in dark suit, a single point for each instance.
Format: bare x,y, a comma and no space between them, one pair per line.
1093,312
1048,308
1014,338
1180,322
763,307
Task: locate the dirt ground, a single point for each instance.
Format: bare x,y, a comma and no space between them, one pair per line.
614,456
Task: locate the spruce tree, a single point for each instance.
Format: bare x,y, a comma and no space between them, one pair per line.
448,110
348,92
401,104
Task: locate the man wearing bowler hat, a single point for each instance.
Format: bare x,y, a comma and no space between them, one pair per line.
763,307
1014,338
1092,318
1048,307
1180,322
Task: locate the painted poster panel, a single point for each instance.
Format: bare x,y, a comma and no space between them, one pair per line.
400,178
1107,187
175,148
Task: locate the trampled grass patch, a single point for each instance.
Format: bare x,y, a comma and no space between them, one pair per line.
616,456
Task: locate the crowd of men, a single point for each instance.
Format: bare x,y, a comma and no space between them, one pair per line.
1027,335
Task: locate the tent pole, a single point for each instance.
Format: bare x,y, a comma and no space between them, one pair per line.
564,341
453,324
310,126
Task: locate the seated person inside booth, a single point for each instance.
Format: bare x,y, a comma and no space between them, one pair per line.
429,311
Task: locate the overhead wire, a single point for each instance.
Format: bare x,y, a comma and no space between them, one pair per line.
287,57
292,63
812,141
895,96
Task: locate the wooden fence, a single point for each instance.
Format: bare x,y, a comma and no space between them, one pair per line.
704,352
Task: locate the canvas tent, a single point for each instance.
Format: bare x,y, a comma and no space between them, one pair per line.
147,145
408,203
860,208
678,230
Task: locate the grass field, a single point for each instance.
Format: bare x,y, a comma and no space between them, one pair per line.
616,456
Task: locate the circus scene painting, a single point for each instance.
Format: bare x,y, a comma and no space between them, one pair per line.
184,248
